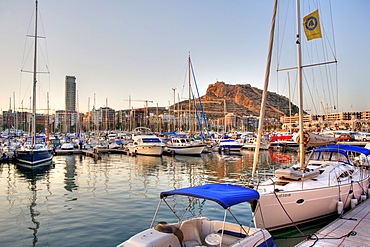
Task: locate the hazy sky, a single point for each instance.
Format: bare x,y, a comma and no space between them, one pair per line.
139,48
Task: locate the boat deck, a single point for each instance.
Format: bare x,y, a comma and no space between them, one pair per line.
350,230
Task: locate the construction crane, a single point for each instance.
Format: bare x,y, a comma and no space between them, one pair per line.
130,100
146,109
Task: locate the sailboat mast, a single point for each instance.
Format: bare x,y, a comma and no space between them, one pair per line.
33,127
190,128
264,94
300,87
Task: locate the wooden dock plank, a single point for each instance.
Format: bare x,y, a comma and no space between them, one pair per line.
338,233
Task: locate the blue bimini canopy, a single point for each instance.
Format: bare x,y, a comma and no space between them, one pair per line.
226,195
346,148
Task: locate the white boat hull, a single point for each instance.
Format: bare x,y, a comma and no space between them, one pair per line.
303,205
155,150
187,150
252,146
201,231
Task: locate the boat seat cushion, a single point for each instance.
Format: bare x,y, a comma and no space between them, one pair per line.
191,243
191,234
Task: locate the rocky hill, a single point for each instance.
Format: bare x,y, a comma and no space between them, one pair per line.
243,100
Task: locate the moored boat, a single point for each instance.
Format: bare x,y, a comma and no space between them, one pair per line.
146,145
200,230
334,174
322,184
35,151
181,144
231,145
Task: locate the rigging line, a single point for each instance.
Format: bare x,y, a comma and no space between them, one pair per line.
333,94
197,115
280,49
335,52
279,45
277,198
43,29
351,233
309,90
200,100
181,75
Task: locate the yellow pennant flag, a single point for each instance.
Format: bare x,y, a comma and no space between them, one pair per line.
311,24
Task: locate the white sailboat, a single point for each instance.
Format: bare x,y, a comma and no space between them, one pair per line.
324,184
35,151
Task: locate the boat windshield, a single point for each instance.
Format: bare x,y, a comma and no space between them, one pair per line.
329,156
151,140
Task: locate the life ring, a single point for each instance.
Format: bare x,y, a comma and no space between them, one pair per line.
306,138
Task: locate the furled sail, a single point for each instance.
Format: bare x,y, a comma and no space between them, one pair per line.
311,139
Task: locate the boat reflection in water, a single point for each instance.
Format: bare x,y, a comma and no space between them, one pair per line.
104,202
32,176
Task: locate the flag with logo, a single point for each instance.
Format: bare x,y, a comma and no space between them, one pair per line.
311,25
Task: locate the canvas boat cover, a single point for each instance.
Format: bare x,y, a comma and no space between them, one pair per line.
225,195
346,148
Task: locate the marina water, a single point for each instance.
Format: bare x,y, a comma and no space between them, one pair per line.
76,201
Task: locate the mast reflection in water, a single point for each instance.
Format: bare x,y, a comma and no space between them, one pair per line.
31,176
81,202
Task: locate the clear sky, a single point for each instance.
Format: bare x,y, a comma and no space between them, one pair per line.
139,48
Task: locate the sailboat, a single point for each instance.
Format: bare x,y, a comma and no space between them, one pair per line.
326,183
35,151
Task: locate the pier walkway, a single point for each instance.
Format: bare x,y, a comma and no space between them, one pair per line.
348,231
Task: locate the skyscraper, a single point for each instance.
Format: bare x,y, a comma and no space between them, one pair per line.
70,93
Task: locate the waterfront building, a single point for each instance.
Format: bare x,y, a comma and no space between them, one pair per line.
100,119
18,120
65,121
70,93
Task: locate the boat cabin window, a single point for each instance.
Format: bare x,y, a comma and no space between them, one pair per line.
151,140
329,156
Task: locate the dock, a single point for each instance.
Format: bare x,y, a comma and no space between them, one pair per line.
95,153
352,229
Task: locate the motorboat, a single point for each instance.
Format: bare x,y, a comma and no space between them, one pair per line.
146,145
181,144
231,145
249,141
67,146
199,230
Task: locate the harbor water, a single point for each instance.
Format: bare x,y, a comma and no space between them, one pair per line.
76,201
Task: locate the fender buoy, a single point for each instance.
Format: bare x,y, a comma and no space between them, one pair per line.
339,206
363,197
353,202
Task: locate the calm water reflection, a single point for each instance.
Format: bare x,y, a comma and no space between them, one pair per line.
78,201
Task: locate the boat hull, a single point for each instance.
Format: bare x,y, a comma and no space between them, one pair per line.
187,150
146,150
201,236
252,146
34,157
303,205
231,146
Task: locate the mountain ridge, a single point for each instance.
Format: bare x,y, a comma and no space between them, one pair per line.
241,99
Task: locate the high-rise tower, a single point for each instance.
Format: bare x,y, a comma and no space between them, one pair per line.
70,93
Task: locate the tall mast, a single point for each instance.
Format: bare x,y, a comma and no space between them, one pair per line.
189,61
264,95
300,87
33,127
